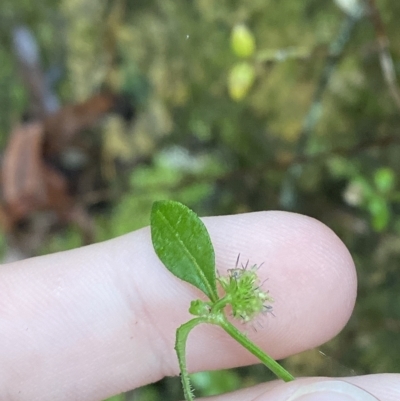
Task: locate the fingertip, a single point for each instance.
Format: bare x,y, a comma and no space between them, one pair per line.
309,272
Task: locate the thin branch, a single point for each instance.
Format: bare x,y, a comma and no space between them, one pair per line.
385,57
336,51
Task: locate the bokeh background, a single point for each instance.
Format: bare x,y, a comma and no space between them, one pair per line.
240,106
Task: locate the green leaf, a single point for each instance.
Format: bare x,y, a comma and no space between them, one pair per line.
242,41
384,180
380,213
182,243
240,80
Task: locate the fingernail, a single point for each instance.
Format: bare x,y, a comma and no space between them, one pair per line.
331,390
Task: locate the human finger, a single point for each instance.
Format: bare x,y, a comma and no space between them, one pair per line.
379,387
99,320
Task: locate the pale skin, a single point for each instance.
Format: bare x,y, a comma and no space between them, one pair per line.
96,321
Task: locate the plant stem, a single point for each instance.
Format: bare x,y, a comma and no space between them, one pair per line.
220,304
274,366
180,347
219,319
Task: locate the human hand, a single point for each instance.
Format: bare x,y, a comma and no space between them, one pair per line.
93,322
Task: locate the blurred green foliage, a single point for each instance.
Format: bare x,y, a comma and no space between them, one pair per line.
221,151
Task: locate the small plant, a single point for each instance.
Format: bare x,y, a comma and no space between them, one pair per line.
183,245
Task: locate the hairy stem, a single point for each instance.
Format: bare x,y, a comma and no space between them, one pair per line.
270,363
180,348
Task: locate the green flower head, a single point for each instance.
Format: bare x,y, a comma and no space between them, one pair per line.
246,297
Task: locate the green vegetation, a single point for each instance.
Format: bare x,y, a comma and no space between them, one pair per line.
242,106
182,243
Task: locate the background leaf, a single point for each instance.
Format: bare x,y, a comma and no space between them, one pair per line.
241,78
242,41
182,243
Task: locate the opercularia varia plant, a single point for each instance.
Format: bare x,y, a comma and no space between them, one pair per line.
183,245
